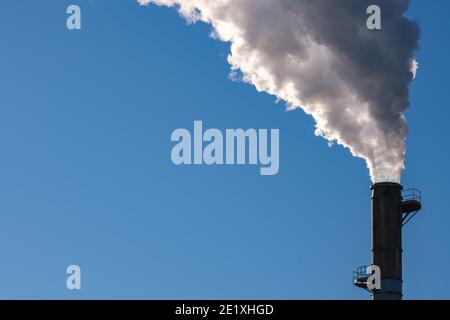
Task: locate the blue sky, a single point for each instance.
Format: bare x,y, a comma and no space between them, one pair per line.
86,176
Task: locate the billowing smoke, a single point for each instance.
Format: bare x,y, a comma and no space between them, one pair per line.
319,55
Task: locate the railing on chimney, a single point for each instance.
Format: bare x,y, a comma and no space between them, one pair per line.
411,204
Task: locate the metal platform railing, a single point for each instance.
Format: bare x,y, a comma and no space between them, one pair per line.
412,195
411,204
362,273
360,276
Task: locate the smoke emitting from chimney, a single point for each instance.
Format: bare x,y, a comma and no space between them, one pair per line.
321,57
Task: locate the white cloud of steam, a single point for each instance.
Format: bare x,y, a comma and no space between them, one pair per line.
414,67
319,56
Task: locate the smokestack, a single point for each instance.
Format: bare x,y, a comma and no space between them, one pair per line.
392,208
387,239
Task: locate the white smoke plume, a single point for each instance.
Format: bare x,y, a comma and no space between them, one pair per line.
319,55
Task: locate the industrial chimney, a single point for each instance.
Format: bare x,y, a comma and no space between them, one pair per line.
391,210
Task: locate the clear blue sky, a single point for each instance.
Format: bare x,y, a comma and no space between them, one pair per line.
86,176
